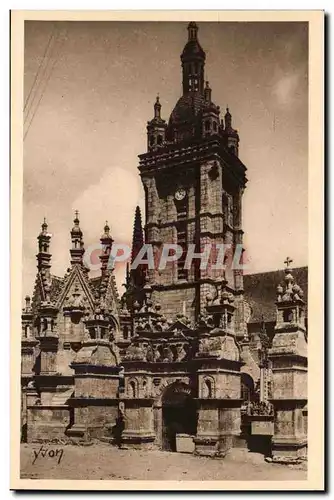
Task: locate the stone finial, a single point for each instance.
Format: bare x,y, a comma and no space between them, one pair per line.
192,31
28,303
157,108
290,290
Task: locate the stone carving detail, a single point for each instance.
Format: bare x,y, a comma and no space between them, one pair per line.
147,317
162,351
219,347
259,408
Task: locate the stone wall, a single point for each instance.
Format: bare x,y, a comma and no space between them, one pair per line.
45,423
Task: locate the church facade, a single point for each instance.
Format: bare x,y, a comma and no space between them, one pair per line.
191,358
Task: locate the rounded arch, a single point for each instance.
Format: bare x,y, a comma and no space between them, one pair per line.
208,387
179,413
247,387
132,388
176,391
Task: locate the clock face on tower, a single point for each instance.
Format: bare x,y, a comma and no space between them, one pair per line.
180,194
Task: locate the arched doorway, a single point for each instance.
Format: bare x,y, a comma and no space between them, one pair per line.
179,415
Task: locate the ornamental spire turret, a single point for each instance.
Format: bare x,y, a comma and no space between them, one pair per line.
157,109
207,93
44,256
137,274
156,128
106,242
138,235
231,135
77,251
290,303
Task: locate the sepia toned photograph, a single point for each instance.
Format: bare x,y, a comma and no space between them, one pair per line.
166,287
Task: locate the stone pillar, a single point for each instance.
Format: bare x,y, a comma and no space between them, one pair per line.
219,404
157,416
219,377
96,383
139,423
139,413
288,356
48,339
289,397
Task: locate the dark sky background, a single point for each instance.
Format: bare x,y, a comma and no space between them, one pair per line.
85,124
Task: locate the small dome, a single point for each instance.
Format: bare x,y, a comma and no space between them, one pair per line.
106,234
76,228
186,116
193,50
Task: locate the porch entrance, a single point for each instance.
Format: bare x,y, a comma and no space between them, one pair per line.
179,415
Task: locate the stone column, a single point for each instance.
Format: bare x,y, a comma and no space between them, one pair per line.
139,414
96,383
219,417
219,377
289,397
288,355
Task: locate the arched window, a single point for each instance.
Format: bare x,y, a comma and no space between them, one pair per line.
152,140
207,125
159,140
132,389
207,388
215,126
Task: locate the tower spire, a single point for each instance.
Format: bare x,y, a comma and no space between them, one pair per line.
137,243
77,251
193,60
138,238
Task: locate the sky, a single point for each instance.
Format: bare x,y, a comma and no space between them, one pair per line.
89,89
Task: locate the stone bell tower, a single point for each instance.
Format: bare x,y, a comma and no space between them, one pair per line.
193,181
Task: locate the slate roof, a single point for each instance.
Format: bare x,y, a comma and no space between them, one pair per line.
260,291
